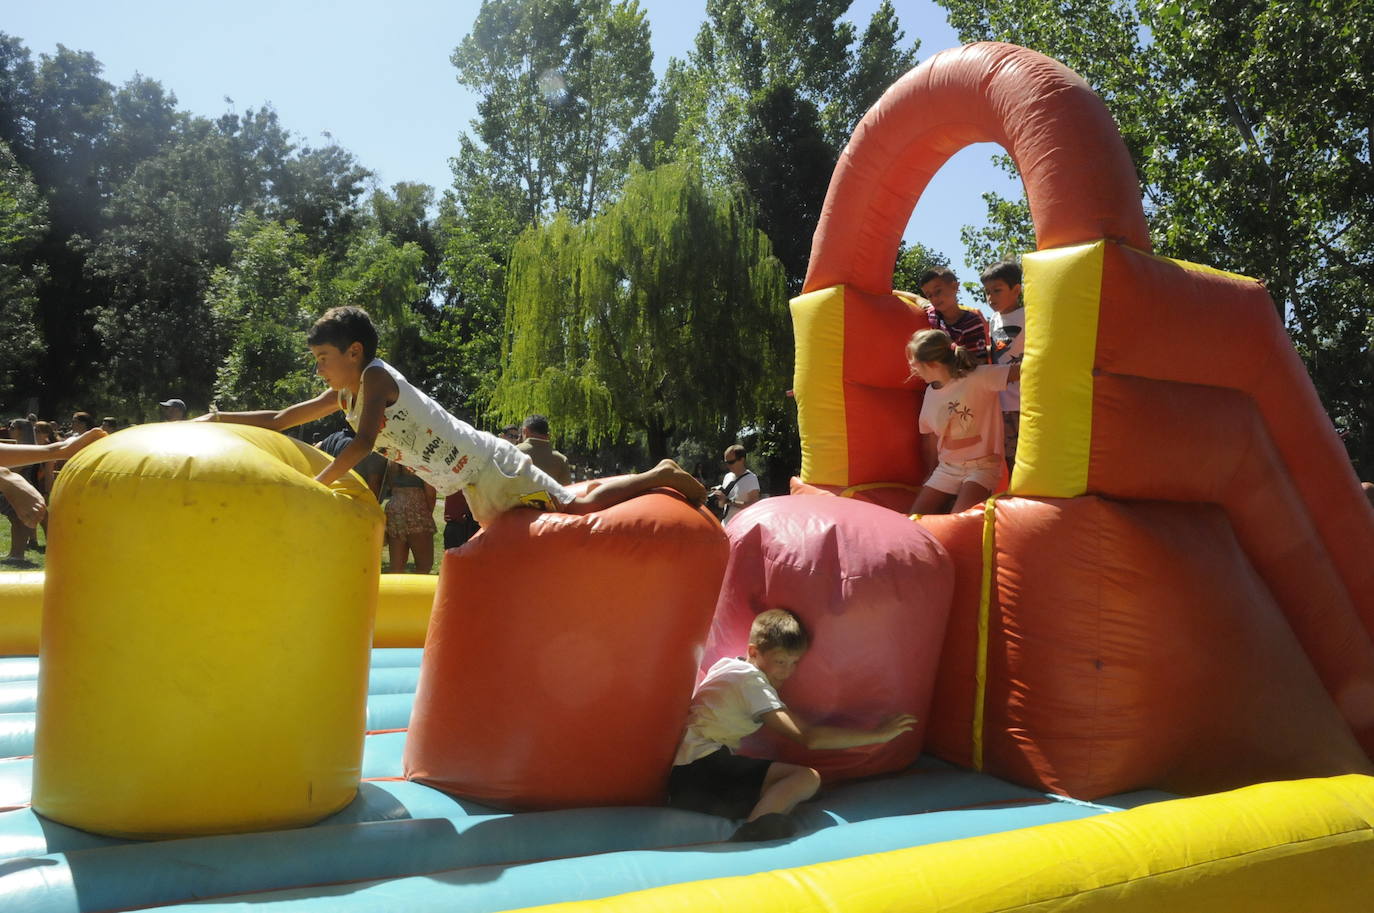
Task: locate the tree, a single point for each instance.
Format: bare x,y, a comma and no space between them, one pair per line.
1251,136
260,303
564,85
768,97
23,221
912,261
664,316
785,162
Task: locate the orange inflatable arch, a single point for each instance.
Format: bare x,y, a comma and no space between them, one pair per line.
1183,548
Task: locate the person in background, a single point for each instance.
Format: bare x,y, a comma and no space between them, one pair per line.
510,433
410,521
739,488
535,441
44,433
1002,285
173,410
109,424
459,526
81,423
372,468
967,327
19,500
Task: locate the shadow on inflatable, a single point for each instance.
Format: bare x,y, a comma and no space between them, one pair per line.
1144,674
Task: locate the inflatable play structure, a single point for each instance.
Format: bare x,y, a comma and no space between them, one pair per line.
1144,674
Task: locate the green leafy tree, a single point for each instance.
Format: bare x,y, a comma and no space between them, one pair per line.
664,316
768,97
1250,131
912,261
261,304
564,85
465,350
23,221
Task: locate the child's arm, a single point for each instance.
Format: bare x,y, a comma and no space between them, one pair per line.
788,726
1014,373
24,454
24,499
378,390
290,417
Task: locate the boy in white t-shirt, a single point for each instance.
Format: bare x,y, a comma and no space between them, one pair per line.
735,699
1002,285
403,424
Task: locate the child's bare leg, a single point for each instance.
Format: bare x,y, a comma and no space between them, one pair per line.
783,787
970,493
930,501
397,548
422,547
666,474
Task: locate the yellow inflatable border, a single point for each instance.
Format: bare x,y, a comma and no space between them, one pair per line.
403,605
1273,848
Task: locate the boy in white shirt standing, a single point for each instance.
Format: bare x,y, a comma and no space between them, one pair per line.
1002,285
735,699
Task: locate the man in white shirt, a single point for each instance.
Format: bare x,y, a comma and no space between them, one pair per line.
739,488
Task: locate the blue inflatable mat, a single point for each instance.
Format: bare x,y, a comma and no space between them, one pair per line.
403,845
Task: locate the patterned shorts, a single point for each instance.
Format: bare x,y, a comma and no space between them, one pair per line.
408,513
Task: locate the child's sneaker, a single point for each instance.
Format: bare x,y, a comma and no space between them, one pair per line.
775,826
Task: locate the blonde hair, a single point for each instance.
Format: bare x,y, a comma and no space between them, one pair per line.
778,628
935,347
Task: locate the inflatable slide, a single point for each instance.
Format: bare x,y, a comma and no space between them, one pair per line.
1144,674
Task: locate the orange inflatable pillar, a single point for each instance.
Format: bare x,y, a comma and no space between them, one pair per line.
562,654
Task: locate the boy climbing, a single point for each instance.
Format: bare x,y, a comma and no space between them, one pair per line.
405,425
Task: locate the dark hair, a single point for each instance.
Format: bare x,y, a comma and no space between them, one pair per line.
109,420
1008,271
341,327
23,430
84,418
778,628
537,423
734,452
936,272
510,429
935,347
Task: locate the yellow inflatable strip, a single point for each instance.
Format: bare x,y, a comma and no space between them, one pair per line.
853,490
1305,845
1063,291
818,385
980,674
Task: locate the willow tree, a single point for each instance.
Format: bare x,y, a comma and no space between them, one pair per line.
664,316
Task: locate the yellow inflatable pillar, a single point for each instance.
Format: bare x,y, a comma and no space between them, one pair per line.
206,629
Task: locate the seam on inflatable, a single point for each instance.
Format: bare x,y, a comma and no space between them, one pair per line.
980,674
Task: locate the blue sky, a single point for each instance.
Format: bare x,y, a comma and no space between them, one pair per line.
375,77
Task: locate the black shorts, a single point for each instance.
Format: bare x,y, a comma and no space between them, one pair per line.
721,783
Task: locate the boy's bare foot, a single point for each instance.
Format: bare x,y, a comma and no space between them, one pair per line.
670,475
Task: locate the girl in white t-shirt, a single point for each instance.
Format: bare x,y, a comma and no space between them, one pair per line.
961,422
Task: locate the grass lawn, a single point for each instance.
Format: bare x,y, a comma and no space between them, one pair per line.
40,559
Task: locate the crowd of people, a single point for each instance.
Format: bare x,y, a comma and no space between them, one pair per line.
24,490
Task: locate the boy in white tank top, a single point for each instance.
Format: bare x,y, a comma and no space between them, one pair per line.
401,422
